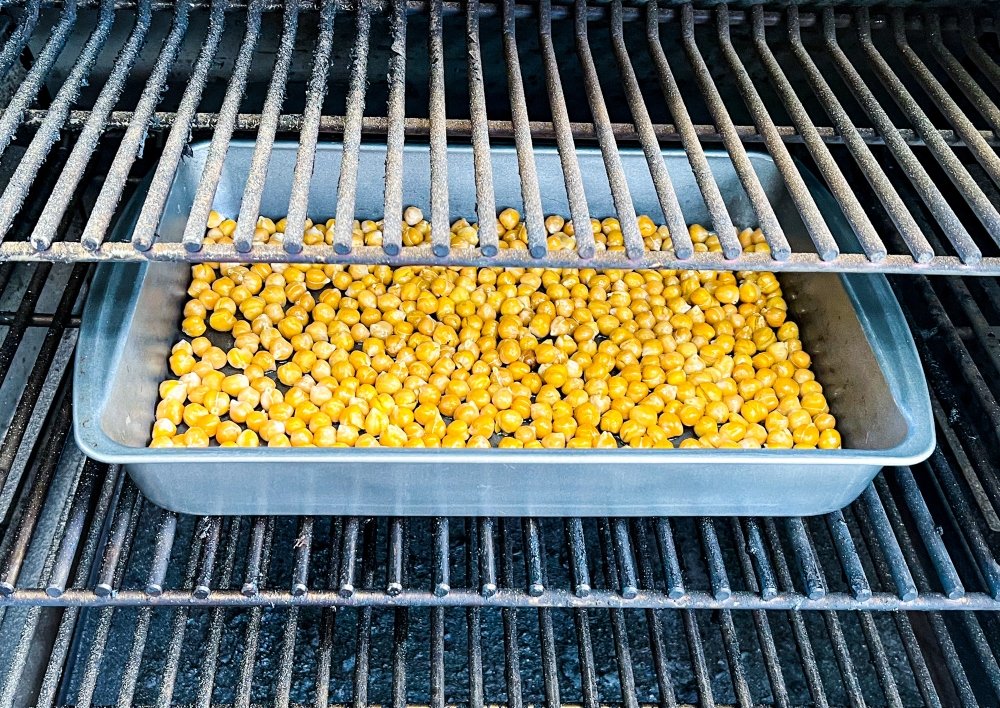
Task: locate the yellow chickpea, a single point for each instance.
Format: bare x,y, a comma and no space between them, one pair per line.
829,439
377,356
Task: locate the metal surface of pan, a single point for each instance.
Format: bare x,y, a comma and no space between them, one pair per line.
851,324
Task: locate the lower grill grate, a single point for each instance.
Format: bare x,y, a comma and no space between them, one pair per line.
107,599
308,656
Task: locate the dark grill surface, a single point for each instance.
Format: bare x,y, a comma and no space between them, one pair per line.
108,600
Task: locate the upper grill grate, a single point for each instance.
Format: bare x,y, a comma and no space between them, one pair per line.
894,110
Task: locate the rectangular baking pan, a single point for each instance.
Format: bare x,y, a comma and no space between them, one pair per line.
852,325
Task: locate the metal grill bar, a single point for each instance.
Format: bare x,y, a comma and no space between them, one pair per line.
392,230
634,246
669,559
48,222
818,230
11,459
214,637
440,235
487,555
48,132
328,624
19,657
922,124
651,147
177,628
943,564
799,630
963,126
943,637
698,599
850,561
347,185
485,196
397,556
626,678
865,230
75,526
211,174
762,624
414,255
768,585
530,191
303,554
922,579
161,554
809,568
134,661
254,191
508,616
305,158
562,8
741,163
721,590
693,636
114,183
14,45
472,623
401,628
689,139
460,127
654,624
972,90
533,554
10,568
564,132
441,567
26,92
19,325
209,533
252,634
67,625
900,215
970,42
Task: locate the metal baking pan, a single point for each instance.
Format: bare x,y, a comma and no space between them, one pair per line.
851,324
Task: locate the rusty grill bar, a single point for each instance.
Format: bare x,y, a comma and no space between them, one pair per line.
855,66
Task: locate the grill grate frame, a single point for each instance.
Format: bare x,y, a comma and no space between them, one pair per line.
930,131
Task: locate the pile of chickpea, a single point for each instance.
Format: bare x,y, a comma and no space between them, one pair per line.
367,356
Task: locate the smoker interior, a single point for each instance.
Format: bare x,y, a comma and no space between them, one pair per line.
106,599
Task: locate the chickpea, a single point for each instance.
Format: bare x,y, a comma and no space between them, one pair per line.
446,357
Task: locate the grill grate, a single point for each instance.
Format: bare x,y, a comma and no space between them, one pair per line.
352,658
899,92
104,598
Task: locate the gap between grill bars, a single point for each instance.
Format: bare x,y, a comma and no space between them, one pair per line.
876,99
